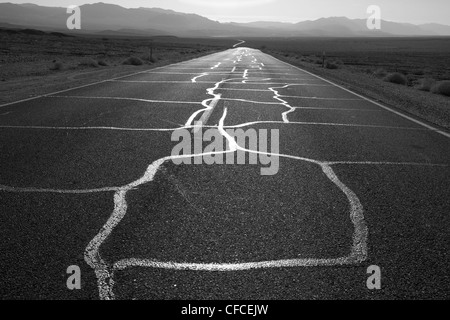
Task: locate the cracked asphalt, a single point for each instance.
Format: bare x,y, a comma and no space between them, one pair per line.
87,179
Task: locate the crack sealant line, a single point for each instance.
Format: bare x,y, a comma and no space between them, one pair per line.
216,66
284,103
194,79
103,271
209,105
358,253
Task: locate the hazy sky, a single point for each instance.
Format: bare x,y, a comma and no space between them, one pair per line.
413,11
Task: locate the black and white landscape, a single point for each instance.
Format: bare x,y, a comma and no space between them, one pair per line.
161,155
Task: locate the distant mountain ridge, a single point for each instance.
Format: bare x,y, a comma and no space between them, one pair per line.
101,18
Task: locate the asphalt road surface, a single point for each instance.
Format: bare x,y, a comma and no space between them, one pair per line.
89,177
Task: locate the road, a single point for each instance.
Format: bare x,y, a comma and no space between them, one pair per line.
89,178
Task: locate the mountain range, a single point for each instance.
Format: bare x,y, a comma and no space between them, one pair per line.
116,20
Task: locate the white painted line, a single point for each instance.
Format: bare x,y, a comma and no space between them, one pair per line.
60,191
190,126
242,125
251,90
128,99
189,73
178,68
95,128
290,80
264,83
375,163
432,128
185,73
279,73
304,84
159,81
319,98
339,109
251,101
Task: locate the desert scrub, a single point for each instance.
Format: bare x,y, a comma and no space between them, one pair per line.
134,61
88,63
442,87
57,66
380,72
102,63
426,84
396,78
331,65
